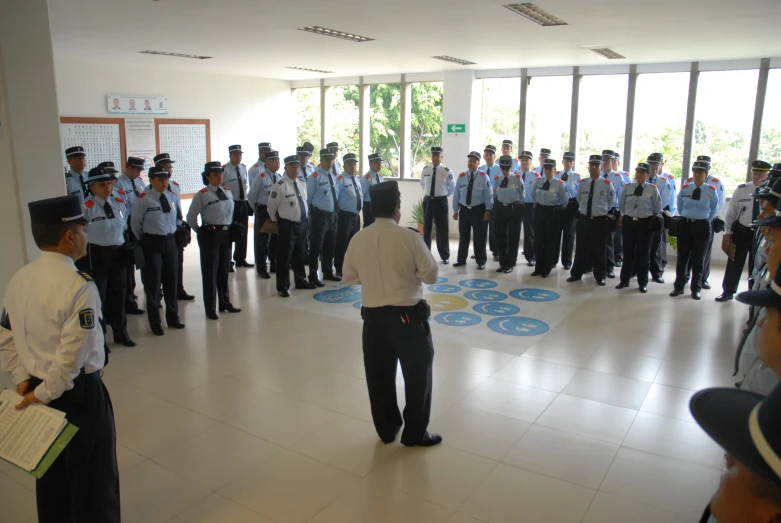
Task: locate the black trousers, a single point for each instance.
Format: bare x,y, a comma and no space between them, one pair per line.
435,212
618,245
160,267
368,217
508,220
322,242
130,279
83,482
637,250
743,238
658,252
612,244
547,236
493,246
692,243
392,335
706,261
471,222
591,247
109,271
568,224
241,215
215,245
528,232
349,224
265,243
180,270
291,250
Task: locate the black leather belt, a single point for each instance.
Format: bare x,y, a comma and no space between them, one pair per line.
216,227
635,219
695,220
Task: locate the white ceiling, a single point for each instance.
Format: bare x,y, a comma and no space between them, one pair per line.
260,38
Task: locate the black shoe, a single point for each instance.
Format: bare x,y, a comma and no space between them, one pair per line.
496,257
501,269
175,324
531,263
305,285
331,277
676,292
231,269
284,294
212,316
725,297
658,279
567,267
158,331
508,270
428,440
263,273
244,264
601,282
229,308
572,278
644,288
459,264
480,267
536,273
445,261
390,439
622,285
619,263
472,257
338,273
696,295
184,296
316,283
272,269
125,340
136,311
705,285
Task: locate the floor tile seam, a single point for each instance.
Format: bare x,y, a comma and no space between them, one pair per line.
519,467
532,386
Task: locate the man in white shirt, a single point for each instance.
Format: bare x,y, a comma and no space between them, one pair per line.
438,184
391,263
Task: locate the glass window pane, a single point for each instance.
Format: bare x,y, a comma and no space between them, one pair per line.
426,123
344,119
770,142
307,101
724,117
601,116
501,110
660,119
548,111
384,124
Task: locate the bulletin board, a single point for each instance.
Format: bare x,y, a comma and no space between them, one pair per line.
103,139
187,141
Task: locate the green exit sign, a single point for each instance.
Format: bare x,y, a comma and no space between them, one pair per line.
456,127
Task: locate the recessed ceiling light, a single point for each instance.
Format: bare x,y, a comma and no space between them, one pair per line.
177,55
334,33
310,70
535,14
607,53
454,60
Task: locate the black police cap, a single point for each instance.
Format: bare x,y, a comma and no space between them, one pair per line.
97,174
759,165
134,161
384,196
643,167
158,172
349,157
506,161
163,157
62,209
74,151
303,150
272,155
234,149
292,159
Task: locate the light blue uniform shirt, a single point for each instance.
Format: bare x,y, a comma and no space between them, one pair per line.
666,191
555,196
602,198
490,172
674,192
102,230
482,192
706,208
348,187
711,180
175,192
231,180
618,182
306,171
516,166
254,171
513,192
261,187
213,211
572,183
126,184
529,178
318,190
644,206
74,185
369,179
148,216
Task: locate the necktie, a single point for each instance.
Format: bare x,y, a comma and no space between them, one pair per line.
221,194
755,209
546,185
108,210
488,172
564,177
301,205
604,175
590,198
241,182
652,181
469,189
357,194
505,181
333,193
696,194
433,182
135,189
164,204
639,190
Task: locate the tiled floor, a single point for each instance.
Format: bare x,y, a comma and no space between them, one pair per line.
263,416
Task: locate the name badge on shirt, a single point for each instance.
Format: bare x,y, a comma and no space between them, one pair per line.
99,218
212,202
153,209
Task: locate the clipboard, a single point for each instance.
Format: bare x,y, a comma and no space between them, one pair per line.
269,227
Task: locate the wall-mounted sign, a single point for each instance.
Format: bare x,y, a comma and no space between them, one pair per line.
140,139
138,105
456,127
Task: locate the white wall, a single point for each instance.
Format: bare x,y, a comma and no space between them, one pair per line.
242,110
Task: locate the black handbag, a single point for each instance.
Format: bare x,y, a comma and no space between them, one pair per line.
656,223
718,225
237,231
676,226
182,235
611,223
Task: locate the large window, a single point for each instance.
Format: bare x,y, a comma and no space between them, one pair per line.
343,119
385,125
548,111
770,142
601,116
307,102
426,125
660,119
724,117
501,111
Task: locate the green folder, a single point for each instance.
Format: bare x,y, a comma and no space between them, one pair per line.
55,450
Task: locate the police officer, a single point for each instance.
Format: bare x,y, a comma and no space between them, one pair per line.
307,167
617,168
130,182
106,225
74,177
348,187
154,224
640,204
472,204
323,200
614,246
235,178
438,183
53,349
259,166
507,150
372,177
739,232
395,316
287,206
710,180
698,203
595,199
508,209
310,165
491,169
265,243
571,181
336,167
544,155
529,178
550,198
666,185
214,204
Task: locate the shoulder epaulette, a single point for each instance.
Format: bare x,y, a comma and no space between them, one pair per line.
175,182
142,195
339,177
314,174
256,165
203,191
226,187
712,187
716,180
684,185
606,180
481,172
280,182
89,204
414,230
462,175
120,191
117,199
537,175
86,276
368,176
224,165
690,178
742,185
262,175
518,175
496,178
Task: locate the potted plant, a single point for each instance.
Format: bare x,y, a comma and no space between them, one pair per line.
417,218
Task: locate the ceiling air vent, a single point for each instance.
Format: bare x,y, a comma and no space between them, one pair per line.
535,14
607,53
334,33
458,61
177,55
310,70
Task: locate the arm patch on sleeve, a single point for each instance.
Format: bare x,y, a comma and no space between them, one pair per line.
87,319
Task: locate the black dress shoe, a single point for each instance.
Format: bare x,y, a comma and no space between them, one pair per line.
245,264
184,296
480,267
472,257
316,283
331,277
601,283
263,273
567,267
176,324
136,311
545,274
705,285
531,263
536,272
572,278
658,279
619,263
305,285
459,264
644,288
611,275
445,261
508,270
696,295
126,341
725,297
428,440
622,285
338,273
272,269
229,308
158,331
390,439
212,316
496,257
676,292
500,269
284,294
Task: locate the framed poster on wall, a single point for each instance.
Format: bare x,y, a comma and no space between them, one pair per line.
187,141
103,139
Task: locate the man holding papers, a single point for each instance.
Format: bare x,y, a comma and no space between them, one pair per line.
52,347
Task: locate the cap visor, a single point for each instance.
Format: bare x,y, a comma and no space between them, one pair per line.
762,298
770,220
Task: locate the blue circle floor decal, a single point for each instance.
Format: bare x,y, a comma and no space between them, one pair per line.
518,326
441,279
492,296
478,284
344,295
537,295
444,288
497,309
358,305
458,319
